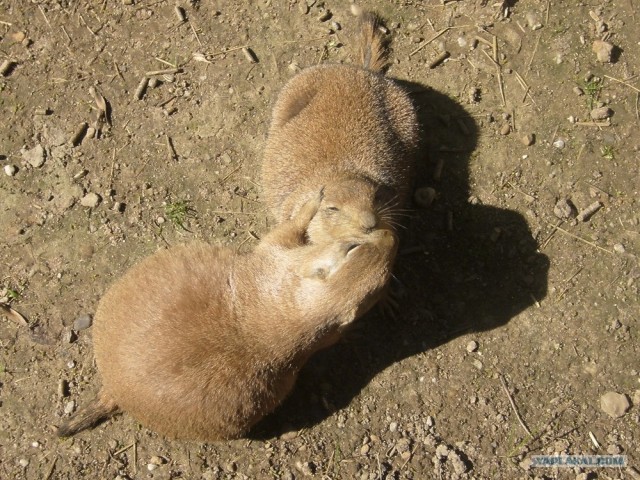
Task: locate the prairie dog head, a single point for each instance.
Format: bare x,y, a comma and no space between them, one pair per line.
346,277
352,208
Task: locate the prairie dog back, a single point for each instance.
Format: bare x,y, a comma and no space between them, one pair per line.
198,342
350,129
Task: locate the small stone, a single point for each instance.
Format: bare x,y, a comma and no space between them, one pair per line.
614,404
564,209
578,91
119,207
69,336
528,140
157,460
151,466
304,7
69,407
10,170
459,465
364,449
603,51
442,451
113,444
324,16
63,388
472,346
533,21
35,444
289,435
614,449
505,130
559,144
23,462
160,220
430,421
393,426
34,157
618,247
424,196
83,322
478,364
526,464
90,200
601,113
230,467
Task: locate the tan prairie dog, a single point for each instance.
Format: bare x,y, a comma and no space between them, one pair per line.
198,342
349,128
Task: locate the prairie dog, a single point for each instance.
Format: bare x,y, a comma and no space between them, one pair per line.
199,342
348,128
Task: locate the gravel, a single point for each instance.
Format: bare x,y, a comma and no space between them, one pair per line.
614,404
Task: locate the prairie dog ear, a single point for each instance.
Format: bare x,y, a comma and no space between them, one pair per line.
319,267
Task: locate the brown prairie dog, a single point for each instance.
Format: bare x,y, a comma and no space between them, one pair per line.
348,128
198,342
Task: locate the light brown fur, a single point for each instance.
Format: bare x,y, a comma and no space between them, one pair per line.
199,342
350,129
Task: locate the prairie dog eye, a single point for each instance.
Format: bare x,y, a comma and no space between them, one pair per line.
332,209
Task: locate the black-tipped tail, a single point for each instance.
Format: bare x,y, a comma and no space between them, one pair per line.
97,411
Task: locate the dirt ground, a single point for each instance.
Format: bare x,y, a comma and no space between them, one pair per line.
514,316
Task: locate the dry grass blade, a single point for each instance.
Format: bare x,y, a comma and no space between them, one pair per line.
101,103
13,315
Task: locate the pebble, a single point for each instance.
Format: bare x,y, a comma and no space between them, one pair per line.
614,449
533,21
601,113
10,170
70,336
578,91
35,444
614,404
472,346
564,209
559,143
442,451
505,130
618,247
364,449
69,407
23,462
603,50
324,16
424,196
151,466
528,140
63,388
157,460
393,426
83,322
34,157
459,465
477,364
90,200
430,421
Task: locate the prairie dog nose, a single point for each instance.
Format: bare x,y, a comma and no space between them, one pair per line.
368,221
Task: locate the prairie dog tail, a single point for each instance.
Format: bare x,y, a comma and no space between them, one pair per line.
99,409
373,46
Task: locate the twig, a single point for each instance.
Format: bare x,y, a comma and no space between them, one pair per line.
45,17
172,151
53,465
173,65
594,124
438,34
166,71
623,83
195,33
231,173
513,406
533,54
582,239
123,449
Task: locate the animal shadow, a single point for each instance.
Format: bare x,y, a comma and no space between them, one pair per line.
463,267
